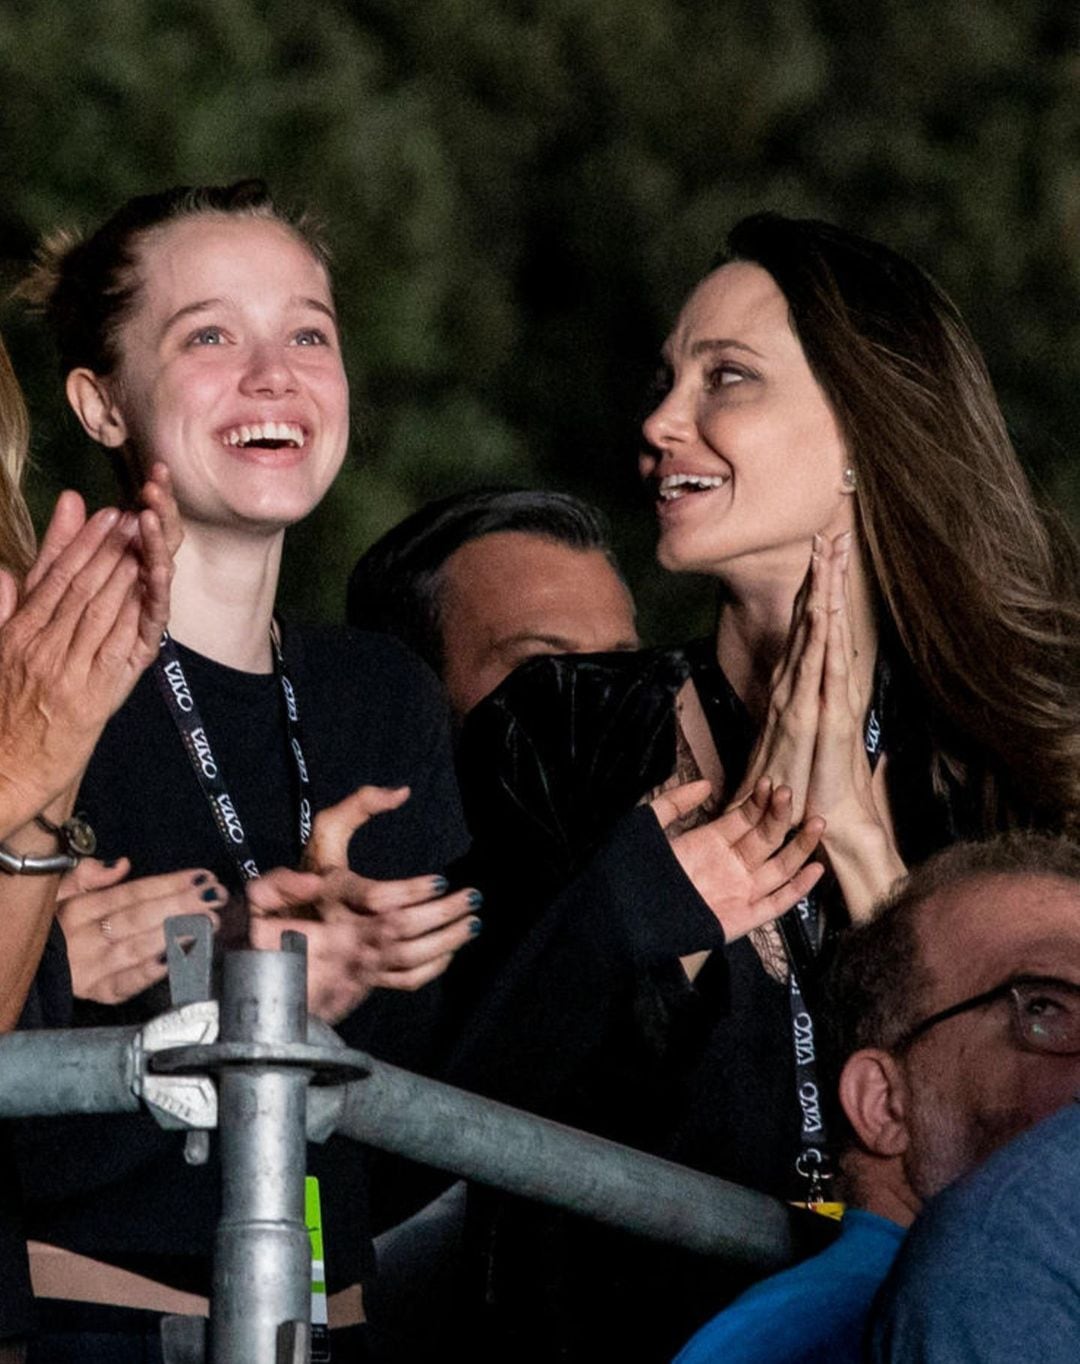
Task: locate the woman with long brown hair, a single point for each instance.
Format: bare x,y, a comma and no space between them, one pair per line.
896,643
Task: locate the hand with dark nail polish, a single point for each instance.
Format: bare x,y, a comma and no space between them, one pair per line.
98,908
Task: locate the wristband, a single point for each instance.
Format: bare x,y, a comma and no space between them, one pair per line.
76,839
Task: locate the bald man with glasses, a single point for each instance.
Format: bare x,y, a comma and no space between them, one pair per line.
991,1272
959,1005
952,1022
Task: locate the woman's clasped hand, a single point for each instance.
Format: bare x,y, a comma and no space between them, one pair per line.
813,736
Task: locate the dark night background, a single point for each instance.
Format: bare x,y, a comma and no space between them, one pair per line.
519,194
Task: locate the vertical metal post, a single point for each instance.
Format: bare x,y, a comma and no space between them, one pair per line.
262,1256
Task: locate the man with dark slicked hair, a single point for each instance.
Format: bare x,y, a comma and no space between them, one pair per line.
476,584
481,581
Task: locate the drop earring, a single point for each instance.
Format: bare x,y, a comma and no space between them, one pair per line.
847,480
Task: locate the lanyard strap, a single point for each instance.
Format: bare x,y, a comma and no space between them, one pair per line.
813,1162
182,706
733,736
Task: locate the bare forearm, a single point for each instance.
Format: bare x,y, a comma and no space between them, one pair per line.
866,864
21,799
27,905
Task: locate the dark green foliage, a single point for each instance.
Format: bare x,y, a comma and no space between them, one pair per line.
519,193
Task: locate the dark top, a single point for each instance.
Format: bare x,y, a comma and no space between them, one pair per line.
591,1018
597,911
117,1187
48,1005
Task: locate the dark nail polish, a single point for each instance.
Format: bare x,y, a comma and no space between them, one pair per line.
474,899
110,861
439,885
475,927
201,879
210,895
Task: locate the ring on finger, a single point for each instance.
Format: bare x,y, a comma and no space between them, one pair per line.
106,928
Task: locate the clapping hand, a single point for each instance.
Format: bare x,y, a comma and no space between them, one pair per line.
115,928
739,863
368,934
92,611
74,639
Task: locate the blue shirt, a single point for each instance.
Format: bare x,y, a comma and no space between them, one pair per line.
991,1271
814,1313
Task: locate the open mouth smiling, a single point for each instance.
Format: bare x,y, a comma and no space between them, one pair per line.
672,487
265,436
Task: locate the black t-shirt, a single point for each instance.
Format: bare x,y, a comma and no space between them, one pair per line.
117,1188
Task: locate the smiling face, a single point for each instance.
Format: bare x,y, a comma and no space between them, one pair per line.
744,455
971,1085
230,371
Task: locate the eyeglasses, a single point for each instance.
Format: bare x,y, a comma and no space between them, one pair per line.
1045,1014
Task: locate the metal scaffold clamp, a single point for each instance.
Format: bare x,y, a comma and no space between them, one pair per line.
254,1067
176,1054
182,1100
243,1067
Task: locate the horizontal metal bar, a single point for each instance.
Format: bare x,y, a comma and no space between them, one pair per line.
91,1070
76,1070
491,1143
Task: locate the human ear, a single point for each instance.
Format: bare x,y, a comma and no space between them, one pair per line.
874,1097
92,402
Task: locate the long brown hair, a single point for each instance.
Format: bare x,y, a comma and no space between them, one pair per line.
978,588
16,530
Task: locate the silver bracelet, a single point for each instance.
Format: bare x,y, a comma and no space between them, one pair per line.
77,841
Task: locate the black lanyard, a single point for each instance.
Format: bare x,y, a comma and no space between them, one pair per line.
800,927
185,713
801,931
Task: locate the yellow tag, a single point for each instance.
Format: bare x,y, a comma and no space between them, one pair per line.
826,1209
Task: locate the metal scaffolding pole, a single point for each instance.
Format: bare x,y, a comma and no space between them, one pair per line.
494,1144
261,1297
433,1124
77,1070
274,1079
